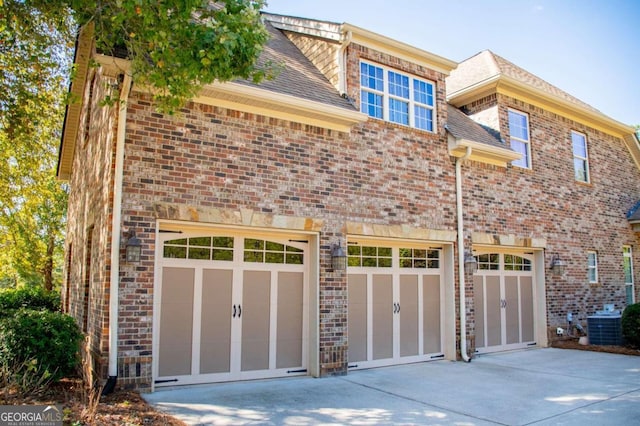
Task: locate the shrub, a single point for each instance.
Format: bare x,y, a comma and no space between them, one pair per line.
50,340
631,325
30,298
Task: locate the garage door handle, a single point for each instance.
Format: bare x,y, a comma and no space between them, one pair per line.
239,311
234,311
395,308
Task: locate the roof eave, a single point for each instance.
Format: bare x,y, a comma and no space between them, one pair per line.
399,49
510,86
482,152
256,100
71,124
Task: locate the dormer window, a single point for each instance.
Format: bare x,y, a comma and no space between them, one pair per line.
397,97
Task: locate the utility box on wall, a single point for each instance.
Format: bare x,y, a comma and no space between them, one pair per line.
605,329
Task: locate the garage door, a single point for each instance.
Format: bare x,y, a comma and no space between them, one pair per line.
231,308
395,304
504,302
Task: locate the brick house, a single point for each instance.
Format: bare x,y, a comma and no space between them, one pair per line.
411,165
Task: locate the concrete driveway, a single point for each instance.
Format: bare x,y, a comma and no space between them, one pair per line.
538,386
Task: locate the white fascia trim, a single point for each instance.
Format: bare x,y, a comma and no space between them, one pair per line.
482,152
290,107
400,50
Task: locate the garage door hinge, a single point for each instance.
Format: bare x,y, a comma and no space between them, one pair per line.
353,366
299,241
166,231
165,381
437,356
304,370
532,344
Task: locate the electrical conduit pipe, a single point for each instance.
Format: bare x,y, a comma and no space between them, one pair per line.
461,275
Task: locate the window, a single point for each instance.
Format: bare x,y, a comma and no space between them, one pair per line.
519,138
419,258
488,261
373,257
592,266
200,248
264,251
580,157
396,97
627,264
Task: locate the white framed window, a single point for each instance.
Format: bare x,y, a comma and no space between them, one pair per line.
580,156
627,266
592,266
397,97
519,137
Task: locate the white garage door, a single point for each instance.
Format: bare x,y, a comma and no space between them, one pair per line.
230,308
504,302
395,303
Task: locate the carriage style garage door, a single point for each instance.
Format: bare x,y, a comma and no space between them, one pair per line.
230,308
504,302
395,303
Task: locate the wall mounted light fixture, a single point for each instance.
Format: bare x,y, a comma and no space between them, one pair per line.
338,258
133,248
557,265
470,263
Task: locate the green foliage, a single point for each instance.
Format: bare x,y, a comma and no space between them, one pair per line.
46,341
34,298
631,325
176,47
35,58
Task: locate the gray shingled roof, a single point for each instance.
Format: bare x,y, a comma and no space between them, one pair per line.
463,127
487,65
299,77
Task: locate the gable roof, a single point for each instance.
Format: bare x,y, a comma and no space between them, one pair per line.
484,146
297,76
487,73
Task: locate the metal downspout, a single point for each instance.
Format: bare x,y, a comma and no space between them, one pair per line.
115,236
461,275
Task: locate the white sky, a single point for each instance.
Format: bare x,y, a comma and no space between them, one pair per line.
588,48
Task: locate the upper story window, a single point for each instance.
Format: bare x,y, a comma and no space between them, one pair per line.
627,264
396,97
519,137
592,266
580,156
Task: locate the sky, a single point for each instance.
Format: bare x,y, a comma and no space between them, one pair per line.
588,48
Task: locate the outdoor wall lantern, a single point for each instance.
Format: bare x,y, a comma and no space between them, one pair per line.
133,248
557,265
470,263
338,258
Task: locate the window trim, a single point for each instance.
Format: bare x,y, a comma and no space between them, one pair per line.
527,143
585,159
387,96
593,267
627,252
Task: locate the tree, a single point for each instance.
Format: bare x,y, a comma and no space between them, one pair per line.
173,47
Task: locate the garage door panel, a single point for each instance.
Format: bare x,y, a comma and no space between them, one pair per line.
357,317
493,307
215,331
478,295
408,315
526,292
432,337
255,314
512,309
176,321
382,311
289,331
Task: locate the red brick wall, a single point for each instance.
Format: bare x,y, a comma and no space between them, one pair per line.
90,197
548,202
